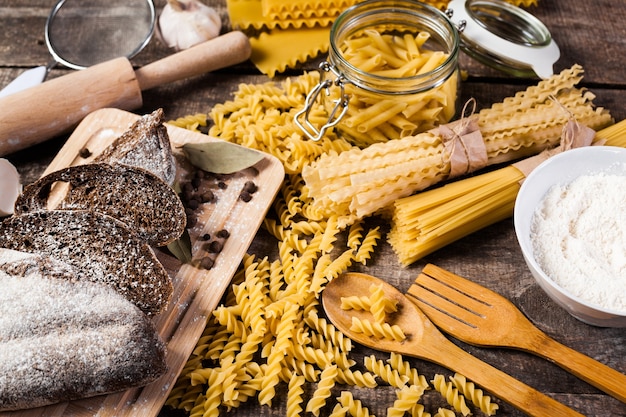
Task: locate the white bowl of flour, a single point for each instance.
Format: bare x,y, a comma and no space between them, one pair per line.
570,221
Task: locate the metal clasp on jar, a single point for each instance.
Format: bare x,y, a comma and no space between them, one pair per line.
335,116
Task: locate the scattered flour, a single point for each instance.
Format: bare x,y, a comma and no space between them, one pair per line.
580,238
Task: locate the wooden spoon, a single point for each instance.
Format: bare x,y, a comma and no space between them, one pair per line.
426,342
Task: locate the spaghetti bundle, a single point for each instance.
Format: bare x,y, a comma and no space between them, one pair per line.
427,221
360,182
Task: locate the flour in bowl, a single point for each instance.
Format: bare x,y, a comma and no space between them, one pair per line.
579,238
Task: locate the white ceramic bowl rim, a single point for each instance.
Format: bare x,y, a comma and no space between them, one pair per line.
597,159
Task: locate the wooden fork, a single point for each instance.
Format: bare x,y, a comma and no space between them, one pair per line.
479,316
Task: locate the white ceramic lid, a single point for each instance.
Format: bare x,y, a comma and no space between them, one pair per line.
504,36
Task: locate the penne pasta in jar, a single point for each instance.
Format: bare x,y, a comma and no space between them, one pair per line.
395,73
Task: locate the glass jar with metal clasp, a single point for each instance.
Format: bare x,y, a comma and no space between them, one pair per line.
392,66
391,71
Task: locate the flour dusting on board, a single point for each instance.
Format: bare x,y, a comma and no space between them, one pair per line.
579,238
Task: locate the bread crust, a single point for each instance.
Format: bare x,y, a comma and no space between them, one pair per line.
62,340
137,197
99,247
145,144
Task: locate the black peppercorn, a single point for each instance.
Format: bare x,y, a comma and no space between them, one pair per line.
191,220
207,263
250,187
207,196
193,204
187,188
215,247
84,153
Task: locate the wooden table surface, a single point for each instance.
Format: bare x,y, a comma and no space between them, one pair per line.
588,33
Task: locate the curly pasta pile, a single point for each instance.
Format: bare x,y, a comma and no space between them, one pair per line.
270,334
378,305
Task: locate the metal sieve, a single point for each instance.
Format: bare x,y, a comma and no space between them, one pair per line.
82,33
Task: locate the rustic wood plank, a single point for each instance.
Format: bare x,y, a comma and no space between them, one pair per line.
588,33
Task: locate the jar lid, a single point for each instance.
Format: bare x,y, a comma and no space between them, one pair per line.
504,37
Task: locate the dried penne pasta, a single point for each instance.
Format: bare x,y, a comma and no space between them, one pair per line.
394,57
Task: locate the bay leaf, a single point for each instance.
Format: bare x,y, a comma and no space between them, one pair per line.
181,248
221,157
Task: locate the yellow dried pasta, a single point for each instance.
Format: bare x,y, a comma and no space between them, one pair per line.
280,21
476,395
276,50
407,397
261,117
277,8
378,330
404,368
451,394
271,312
355,407
275,296
323,390
393,56
444,412
427,221
356,378
355,302
339,411
378,303
360,182
385,372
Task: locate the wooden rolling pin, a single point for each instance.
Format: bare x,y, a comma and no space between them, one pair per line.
56,106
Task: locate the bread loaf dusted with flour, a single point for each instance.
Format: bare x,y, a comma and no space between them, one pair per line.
145,144
62,340
20,264
137,197
99,247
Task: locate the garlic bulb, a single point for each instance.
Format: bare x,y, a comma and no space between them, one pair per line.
10,187
185,23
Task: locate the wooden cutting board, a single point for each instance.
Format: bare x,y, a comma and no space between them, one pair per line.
196,291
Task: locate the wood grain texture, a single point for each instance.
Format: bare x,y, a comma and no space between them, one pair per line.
476,315
588,33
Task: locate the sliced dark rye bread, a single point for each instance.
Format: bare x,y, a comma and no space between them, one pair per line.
137,197
145,144
62,340
101,249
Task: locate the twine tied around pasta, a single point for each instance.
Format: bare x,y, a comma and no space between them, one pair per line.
463,143
574,135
